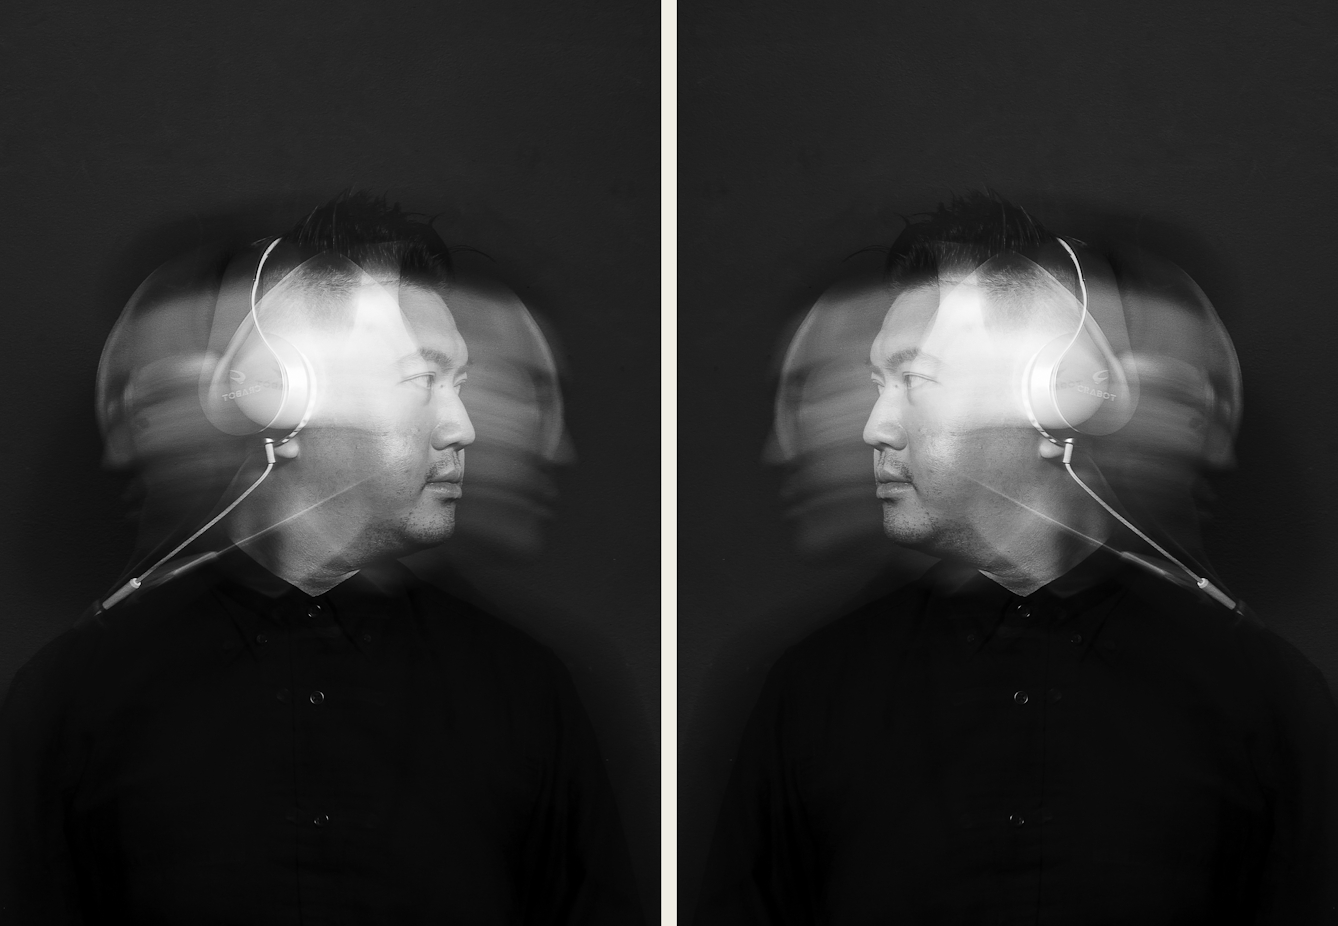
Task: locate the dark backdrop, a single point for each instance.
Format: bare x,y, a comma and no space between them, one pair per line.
126,129
1209,132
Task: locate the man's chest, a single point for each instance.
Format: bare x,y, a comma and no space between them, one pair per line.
302,755
1033,766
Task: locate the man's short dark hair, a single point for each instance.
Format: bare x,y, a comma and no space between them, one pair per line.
376,235
964,233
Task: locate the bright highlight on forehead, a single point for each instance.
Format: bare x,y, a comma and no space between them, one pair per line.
378,320
945,334
431,322
969,318
904,323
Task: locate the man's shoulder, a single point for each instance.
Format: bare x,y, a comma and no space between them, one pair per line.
72,659
1166,630
473,640
474,654
1181,617
457,621
874,633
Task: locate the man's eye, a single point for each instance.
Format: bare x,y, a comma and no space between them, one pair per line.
911,380
459,383
426,380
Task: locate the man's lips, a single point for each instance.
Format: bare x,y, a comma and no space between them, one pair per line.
892,486
447,486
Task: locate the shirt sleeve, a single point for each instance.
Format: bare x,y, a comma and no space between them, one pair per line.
38,766
574,859
763,865
1299,769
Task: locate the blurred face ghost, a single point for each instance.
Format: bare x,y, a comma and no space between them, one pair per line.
955,459
381,463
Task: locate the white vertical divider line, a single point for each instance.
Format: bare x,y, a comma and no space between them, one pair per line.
668,463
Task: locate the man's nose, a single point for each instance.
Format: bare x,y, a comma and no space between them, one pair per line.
884,430
454,430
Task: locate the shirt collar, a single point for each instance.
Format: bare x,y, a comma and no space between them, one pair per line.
1077,603
257,600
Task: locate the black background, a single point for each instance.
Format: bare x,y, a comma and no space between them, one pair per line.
532,128
1208,132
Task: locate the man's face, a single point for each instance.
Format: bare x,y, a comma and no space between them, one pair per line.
953,452
383,457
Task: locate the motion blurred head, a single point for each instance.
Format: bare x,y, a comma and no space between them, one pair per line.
340,344
993,344
377,467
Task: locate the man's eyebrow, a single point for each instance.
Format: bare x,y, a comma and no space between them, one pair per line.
892,361
431,355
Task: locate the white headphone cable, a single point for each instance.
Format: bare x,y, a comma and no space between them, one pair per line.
1203,584
120,594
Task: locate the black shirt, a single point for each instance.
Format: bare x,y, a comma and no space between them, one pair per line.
1108,750
378,754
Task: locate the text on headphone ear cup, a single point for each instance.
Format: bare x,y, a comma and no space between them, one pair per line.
271,383
1067,382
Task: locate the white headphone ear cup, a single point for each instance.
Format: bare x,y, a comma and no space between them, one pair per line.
273,382
301,390
1062,383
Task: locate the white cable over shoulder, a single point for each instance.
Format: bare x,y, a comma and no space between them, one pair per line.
1203,584
121,593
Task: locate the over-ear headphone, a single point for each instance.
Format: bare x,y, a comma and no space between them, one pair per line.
1077,382
260,382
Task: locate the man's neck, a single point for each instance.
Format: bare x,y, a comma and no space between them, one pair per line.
1032,560
314,580
293,553
1024,580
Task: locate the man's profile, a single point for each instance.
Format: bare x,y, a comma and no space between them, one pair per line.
272,720
1068,719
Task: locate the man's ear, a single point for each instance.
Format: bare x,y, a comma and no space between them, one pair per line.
1050,450
288,450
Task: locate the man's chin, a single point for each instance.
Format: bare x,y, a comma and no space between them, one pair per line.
903,529
424,535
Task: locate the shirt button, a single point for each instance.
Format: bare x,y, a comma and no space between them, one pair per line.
1017,819
1020,697
1024,613
1054,694
317,697
321,819
367,638
971,638
283,695
261,638
1076,639
291,816
314,611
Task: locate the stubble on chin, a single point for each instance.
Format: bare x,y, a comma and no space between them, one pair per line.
911,529
894,523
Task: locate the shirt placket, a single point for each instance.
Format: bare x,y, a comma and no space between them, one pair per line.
1069,636
1028,622
304,697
